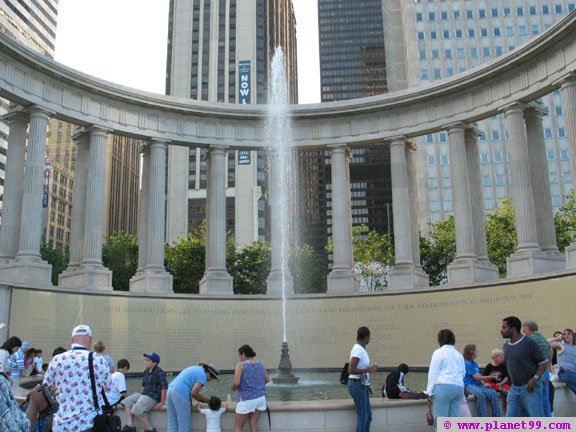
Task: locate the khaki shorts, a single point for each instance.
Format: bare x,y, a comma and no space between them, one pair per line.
249,406
139,404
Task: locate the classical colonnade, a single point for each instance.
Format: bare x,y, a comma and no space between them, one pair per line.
40,88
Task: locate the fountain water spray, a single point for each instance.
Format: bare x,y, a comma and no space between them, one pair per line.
282,201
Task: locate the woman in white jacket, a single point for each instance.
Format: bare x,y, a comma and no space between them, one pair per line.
446,377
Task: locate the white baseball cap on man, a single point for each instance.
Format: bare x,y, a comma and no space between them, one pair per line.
82,330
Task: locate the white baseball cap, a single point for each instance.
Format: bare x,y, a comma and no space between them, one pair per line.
82,330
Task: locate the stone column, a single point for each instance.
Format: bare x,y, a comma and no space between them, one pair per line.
545,229
28,268
216,279
279,280
341,279
568,90
528,258
92,275
154,277
82,140
467,267
143,210
406,272
13,182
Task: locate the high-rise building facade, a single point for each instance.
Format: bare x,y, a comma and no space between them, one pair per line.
352,65
220,51
432,40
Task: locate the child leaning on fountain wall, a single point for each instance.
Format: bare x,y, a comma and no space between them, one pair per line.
214,413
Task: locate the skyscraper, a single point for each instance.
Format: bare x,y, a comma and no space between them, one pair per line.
352,65
220,51
432,40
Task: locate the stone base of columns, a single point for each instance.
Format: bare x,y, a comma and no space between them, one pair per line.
216,282
342,281
527,263
275,280
570,252
24,272
87,278
152,281
470,270
406,276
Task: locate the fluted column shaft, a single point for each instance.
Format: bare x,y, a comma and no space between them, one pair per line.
216,210
465,241
13,182
568,90
545,229
156,219
476,197
31,217
521,179
341,209
401,203
143,211
94,217
412,172
79,199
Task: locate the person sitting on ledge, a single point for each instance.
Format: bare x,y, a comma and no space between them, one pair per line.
394,386
152,395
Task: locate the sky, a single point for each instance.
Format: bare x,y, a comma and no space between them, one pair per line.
124,41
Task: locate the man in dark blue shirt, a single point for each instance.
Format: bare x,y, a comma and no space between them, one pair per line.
152,395
526,365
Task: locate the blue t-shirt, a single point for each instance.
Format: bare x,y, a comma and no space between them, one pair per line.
471,369
186,379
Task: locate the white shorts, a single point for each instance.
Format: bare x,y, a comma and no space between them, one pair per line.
249,406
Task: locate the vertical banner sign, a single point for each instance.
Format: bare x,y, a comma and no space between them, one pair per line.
46,185
244,82
243,157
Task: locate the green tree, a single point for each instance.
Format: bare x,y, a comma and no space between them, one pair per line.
501,234
373,256
249,268
438,249
565,221
308,270
58,258
185,259
120,255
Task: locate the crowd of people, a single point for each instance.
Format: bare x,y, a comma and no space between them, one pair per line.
522,371
72,375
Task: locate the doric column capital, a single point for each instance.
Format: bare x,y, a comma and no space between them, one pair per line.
98,130
158,142
514,107
16,116
472,131
37,110
81,136
455,126
535,109
397,140
568,80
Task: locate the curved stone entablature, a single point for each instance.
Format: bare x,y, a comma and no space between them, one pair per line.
530,71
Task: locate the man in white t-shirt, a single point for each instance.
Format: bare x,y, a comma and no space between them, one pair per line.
118,391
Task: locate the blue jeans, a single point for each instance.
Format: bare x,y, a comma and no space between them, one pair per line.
482,394
521,403
446,400
179,411
568,378
361,398
546,407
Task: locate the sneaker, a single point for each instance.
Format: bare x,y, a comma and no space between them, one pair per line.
128,429
151,430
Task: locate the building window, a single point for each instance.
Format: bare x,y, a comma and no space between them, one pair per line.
446,34
458,33
424,74
449,72
534,29
484,158
437,74
522,31
448,53
548,133
486,181
509,31
562,132
558,110
499,50
434,53
444,15
442,137
550,155
558,8
486,51
431,160
420,35
469,14
497,157
484,32
532,10
422,54
507,11
545,9
431,16
496,31
444,159
564,154
495,135
433,34
520,11
430,138
471,33
500,180
419,16
488,205
447,205
456,14
474,52
482,13
461,53
494,12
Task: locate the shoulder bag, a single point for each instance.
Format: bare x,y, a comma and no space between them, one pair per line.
344,374
429,414
107,421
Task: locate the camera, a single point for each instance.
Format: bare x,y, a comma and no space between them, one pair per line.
52,407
